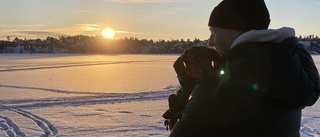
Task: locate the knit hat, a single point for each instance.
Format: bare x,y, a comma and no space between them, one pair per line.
242,15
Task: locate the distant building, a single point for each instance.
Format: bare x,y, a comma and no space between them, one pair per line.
202,43
306,44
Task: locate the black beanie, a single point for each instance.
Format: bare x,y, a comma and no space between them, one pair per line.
242,15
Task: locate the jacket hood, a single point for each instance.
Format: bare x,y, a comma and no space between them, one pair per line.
269,35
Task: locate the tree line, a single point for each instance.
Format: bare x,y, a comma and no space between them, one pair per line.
100,45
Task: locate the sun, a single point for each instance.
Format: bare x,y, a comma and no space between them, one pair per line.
108,33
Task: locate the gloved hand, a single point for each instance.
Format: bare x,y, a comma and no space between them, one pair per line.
174,113
175,105
169,123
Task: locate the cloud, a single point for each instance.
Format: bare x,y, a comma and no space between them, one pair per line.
148,1
40,33
94,28
24,25
126,32
88,27
33,34
36,32
76,29
318,3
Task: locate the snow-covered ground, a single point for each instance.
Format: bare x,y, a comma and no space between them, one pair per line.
94,95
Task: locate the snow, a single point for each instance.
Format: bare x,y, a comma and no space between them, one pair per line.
94,95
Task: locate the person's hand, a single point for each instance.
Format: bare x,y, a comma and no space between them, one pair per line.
169,123
174,113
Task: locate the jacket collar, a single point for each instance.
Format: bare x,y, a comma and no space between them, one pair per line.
268,35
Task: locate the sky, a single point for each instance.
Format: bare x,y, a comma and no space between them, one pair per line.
144,19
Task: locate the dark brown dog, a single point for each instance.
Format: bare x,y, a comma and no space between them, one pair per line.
196,63
200,61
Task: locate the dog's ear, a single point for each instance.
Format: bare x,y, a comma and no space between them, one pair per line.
215,57
214,54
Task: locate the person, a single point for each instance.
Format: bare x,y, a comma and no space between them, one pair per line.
265,79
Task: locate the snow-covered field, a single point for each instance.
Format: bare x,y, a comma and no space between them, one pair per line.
94,95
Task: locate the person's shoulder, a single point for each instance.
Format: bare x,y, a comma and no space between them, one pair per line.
252,48
250,53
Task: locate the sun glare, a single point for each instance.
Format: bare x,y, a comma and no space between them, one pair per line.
108,33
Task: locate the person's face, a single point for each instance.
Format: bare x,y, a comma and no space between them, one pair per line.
222,39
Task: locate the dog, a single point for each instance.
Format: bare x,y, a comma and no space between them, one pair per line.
200,61
197,63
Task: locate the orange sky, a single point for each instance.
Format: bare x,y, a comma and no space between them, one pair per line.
144,19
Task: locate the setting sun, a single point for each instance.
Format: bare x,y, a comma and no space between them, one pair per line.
108,33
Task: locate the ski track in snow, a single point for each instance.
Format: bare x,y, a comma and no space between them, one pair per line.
308,130
13,130
10,129
48,90
89,98
67,65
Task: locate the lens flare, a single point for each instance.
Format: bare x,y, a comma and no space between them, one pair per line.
221,72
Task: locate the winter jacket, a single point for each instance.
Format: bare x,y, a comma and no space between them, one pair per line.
266,80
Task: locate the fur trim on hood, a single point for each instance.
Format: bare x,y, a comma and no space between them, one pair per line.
269,35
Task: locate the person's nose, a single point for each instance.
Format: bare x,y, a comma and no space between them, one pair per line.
210,42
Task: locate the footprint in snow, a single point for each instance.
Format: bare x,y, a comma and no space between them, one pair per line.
125,112
145,115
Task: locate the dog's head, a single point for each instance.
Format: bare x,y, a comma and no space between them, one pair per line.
199,61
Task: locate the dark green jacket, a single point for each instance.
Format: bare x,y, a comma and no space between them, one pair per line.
261,93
